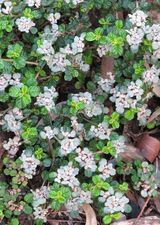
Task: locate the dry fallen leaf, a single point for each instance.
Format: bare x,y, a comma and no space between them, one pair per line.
90,215
156,90
154,115
131,153
53,222
149,220
149,146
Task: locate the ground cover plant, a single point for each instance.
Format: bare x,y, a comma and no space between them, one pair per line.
79,81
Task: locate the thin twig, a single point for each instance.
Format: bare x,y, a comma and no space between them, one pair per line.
142,210
27,62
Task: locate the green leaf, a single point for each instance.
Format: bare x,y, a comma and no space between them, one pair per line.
29,132
14,92
14,221
28,210
55,205
14,51
90,36
128,208
28,197
4,97
47,162
123,186
119,24
23,101
34,91
19,63
129,114
107,219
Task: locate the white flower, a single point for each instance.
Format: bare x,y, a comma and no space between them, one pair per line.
15,80
78,45
116,203
135,37
151,76
86,159
40,213
85,97
143,114
46,99
40,196
12,146
49,132
29,164
68,145
75,2
35,3
105,194
138,18
119,145
94,109
78,198
53,18
8,79
12,120
119,96
7,7
101,131
135,89
106,169
66,175
4,81
78,61
152,32
127,96
78,127
46,48
106,84
102,50
24,24
57,62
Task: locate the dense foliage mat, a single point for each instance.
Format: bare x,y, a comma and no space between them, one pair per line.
79,80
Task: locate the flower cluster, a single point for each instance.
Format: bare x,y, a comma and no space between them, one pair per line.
101,131
40,196
40,213
146,182
10,80
86,159
143,114
12,146
6,7
91,107
127,96
106,169
102,50
107,84
48,132
66,175
75,2
47,98
119,145
140,30
12,120
66,56
151,76
78,198
31,3
29,164
116,203
24,24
